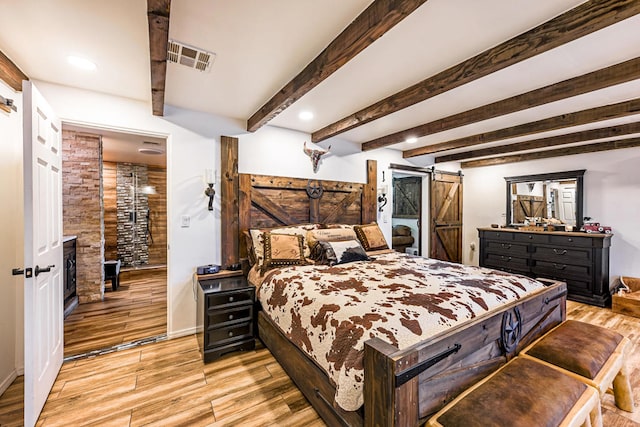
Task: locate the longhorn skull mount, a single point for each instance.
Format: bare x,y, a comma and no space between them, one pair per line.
315,155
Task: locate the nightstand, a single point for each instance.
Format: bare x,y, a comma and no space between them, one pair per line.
225,314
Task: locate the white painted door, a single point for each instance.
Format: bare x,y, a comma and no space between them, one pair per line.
566,204
43,313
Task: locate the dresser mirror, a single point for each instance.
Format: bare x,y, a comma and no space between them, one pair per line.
550,198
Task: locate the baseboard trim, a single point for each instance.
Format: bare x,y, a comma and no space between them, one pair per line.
182,333
4,385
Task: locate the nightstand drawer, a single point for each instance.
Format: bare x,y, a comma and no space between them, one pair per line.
230,298
222,317
228,334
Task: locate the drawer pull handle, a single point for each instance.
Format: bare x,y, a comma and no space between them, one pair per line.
559,266
506,258
506,245
570,239
230,299
559,252
530,236
230,334
231,317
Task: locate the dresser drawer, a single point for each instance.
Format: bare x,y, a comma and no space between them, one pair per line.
507,248
563,255
228,334
531,238
506,262
230,298
222,317
571,241
582,287
559,270
497,235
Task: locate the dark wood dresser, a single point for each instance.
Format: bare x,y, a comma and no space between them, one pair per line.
579,259
70,298
225,314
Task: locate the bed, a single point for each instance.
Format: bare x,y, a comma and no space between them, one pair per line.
401,384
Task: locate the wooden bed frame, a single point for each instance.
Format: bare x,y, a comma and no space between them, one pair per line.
401,387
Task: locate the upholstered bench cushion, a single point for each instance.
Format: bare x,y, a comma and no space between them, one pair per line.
402,240
577,347
523,393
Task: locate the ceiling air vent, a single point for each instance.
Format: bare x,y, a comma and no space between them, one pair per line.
190,56
149,147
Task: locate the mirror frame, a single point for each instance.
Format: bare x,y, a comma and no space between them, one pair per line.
578,175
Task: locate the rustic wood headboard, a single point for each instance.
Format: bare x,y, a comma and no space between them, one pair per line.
258,201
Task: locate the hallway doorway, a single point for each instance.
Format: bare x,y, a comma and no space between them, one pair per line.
115,210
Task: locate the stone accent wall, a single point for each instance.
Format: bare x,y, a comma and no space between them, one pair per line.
132,213
157,240
82,209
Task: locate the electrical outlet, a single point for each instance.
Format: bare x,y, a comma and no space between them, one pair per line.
185,221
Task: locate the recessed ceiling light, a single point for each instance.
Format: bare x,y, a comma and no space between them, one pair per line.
305,115
411,140
82,63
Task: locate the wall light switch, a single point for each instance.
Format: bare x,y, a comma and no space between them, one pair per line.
185,221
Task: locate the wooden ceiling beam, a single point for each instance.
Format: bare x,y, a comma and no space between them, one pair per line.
158,16
567,151
370,25
11,74
580,21
570,138
591,115
600,79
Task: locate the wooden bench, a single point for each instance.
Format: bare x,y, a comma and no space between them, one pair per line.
523,393
589,353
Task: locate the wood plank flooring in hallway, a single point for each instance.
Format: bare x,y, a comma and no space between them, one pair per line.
138,309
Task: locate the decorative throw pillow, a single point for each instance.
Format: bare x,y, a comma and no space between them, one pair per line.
282,249
349,226
251,253
371,237
258,242
330,235
333,253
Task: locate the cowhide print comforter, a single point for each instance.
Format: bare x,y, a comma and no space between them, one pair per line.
329,312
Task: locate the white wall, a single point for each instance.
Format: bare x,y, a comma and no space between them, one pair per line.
11,249
611,197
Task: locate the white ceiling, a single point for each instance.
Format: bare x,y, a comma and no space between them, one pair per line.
261,45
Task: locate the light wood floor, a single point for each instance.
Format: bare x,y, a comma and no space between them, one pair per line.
167,384
138,309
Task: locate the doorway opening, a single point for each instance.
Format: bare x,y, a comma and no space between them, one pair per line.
410,211
115,217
